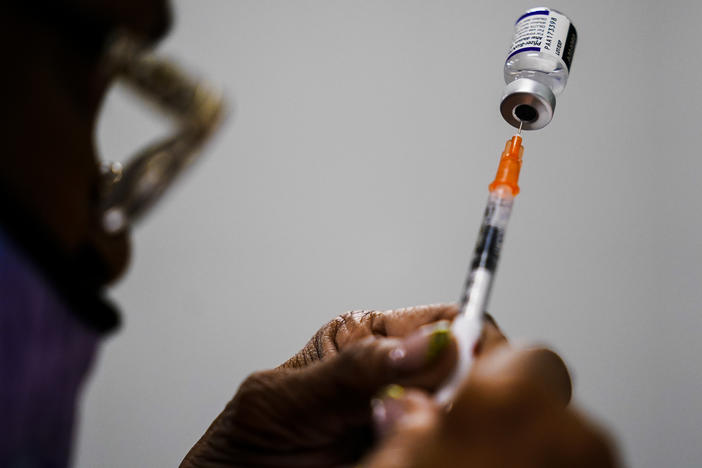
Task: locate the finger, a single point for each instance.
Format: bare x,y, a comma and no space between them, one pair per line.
402,322
578,441
353,327
503,380
491,337
426,357
540,368
347,381
423,359
405,419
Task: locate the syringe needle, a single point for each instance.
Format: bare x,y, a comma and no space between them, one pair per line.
519,132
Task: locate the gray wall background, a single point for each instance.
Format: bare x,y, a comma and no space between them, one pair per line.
353,174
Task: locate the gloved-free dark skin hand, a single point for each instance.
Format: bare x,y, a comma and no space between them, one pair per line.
314,410
510,412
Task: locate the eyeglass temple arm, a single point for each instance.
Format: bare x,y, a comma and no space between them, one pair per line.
197,110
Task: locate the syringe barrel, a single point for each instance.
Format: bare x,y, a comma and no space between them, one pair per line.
468,325
489,244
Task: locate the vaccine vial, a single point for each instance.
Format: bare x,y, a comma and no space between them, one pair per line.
537,67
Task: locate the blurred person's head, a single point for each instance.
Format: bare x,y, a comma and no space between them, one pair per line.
52,87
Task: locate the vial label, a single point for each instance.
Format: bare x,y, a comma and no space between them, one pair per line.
544,30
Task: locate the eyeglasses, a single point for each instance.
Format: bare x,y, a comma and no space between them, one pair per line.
128,191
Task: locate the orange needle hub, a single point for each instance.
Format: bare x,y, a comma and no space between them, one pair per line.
510,165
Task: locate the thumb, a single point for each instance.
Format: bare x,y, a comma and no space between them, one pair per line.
344,383
423,359
298,402
405,419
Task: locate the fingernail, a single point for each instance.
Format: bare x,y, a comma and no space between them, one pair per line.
439,340
422,347
387,409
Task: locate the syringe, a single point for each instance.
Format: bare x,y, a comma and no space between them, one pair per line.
468,326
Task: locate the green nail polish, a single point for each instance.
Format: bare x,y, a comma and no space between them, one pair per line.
439,340
394,391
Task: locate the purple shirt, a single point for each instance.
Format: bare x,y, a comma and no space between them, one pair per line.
45,354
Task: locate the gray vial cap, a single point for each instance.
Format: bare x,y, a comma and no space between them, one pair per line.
529,103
